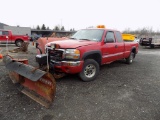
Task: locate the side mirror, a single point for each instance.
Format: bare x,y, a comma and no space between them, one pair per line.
109,40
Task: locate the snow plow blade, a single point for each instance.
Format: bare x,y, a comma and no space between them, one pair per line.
35,83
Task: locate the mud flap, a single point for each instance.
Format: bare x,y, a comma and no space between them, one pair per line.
35,83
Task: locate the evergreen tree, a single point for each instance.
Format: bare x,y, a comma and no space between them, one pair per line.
56,28
47,28
62,28
38,28
43,27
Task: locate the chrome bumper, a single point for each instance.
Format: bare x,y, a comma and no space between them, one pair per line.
66,63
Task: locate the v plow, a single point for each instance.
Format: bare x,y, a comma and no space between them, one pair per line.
35,83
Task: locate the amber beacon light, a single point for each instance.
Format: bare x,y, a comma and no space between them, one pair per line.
100,26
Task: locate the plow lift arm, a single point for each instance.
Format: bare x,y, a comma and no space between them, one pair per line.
35,83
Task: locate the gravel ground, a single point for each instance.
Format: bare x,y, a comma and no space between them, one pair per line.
120,92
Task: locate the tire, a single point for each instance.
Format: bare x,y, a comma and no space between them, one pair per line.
90,70
19,43
129,60
151,46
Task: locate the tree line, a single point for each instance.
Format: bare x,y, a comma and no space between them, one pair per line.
146,31
57,27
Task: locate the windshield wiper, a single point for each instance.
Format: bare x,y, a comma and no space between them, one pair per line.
86,39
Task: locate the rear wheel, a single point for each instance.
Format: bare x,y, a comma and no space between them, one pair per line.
19,43
90,70
129,60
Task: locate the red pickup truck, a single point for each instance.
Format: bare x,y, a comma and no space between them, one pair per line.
12,39
86,51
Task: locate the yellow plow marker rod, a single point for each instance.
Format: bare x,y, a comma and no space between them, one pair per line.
35,98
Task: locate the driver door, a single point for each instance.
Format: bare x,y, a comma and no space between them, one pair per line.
109,48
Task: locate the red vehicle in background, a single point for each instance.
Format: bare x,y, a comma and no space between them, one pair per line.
6,36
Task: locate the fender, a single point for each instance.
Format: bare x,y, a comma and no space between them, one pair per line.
91,53
134,47
18,39
135,51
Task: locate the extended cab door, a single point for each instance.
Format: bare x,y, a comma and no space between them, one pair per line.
119,45
109,48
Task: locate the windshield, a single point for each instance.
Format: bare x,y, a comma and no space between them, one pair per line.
88,34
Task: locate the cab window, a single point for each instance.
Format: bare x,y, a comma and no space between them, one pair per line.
5,33
109,36
0,32
118,36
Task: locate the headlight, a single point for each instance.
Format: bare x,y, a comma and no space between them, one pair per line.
72,54
54,46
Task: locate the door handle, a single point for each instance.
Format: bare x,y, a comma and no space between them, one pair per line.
116,46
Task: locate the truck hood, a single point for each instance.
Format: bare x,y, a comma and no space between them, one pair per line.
72,43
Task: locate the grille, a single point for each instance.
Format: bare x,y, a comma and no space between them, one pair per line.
56,55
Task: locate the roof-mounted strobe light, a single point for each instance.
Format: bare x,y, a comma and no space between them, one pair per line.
101,26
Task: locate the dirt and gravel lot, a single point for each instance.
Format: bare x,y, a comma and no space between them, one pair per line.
120,92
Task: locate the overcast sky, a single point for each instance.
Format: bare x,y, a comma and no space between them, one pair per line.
78,14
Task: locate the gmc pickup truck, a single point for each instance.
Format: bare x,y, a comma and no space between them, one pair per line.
86,51
6,36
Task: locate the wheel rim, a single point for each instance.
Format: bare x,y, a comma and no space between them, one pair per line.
90,71
19,43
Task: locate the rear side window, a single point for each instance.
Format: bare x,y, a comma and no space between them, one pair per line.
118,36
5,33
0,32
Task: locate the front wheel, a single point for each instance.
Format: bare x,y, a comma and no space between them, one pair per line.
90,70
129,60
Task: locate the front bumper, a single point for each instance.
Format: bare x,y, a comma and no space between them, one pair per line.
61,66
68,66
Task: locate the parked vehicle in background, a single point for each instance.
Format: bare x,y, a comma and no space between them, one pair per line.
151,42
6,36
86,51
35,37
